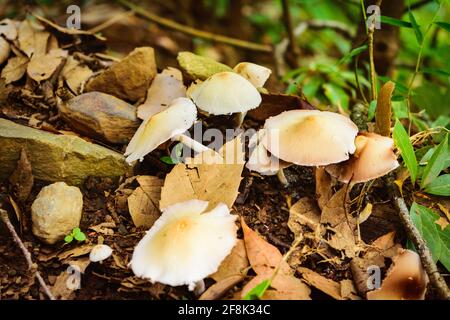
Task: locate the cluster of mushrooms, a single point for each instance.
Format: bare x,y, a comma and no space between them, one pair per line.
189,240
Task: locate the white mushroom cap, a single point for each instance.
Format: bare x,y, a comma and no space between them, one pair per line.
310,137
254,73
185,244
225,93
176,119
165,87
374,157
405,280
100,252
260,159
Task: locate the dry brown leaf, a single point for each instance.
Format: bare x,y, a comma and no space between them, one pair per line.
165,87
4,50
143,202
383,112
75,74
348,290
216,183
263,256
32,40
365,213
219,289
8,29
234,264
65,283
42,67
14,69
78,251
104,228
22,179
324,186
287,287
303,213
328,286
334,212
344,239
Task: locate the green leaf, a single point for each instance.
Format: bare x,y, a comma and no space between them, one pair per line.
443,25
353,52
436,163
437,240
400,109
68,239
402,141
167,159
417,31
336,95
80,236
435,72
75,231
258,291
439,186
178,149
371,110
395,22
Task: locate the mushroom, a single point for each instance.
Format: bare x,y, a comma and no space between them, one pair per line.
405,279
310,137
100,252
261,161
185,244
176,119
225,93
374,157
254,73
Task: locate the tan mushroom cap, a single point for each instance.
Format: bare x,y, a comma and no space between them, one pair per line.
225,93
374,157
186,244
405,280
310,137
254,73
260,160
176,119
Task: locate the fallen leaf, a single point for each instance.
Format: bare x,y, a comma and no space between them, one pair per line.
165,87
78,251
263,256
22,179
4,50
69,280
324,186
32,40
42,67
14,69
220,288
104,228
365,213
303,213
334,212
287,287
8,28
328,286
143,202
215,182
383,112
75,74
348,290
234,264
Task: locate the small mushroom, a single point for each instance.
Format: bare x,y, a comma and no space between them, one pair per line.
186,244
176,119
254,73
225,93
100,252
310,137
374,157
260,160
405,280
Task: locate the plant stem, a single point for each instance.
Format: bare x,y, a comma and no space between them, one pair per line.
288,26
195,32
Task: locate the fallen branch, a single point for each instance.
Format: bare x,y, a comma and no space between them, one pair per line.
4,217
436,278
195,32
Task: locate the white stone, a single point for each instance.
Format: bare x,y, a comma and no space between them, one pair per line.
56,211
100,252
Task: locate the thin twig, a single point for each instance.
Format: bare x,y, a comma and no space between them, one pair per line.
287,21
111,21
436,278
26,253
195,32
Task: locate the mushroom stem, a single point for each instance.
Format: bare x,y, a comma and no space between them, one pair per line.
238,119
199,288
191,143
282,178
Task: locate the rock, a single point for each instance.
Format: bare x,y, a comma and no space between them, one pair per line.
198,67
129,78
56,157
56,211
101,116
